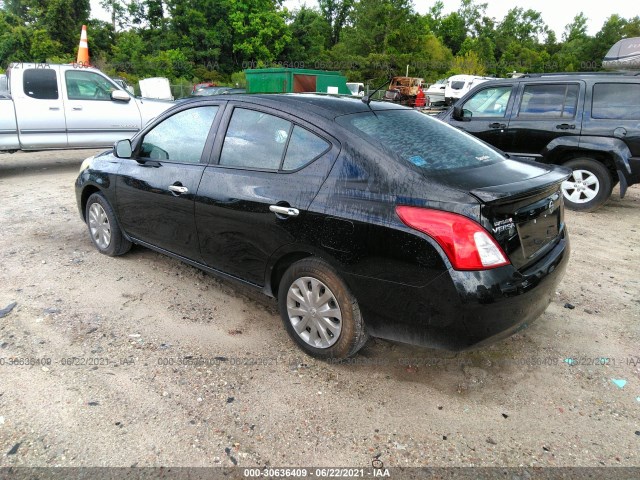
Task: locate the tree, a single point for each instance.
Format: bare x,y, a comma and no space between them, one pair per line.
453,31
259,30
472,13
577,29
336,14
310,37
385,27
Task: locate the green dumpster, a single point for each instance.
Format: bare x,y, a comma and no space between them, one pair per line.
295,80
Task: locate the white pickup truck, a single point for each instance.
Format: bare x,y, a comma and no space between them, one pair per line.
50,106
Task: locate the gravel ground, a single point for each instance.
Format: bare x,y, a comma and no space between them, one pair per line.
142,360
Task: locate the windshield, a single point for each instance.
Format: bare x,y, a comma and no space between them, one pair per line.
423,141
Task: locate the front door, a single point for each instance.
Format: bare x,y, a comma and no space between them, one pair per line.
486,115
155,189
255,199
93,119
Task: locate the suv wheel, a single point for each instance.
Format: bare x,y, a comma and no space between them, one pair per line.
588,187
319,312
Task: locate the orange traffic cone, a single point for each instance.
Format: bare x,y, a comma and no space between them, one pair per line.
83,49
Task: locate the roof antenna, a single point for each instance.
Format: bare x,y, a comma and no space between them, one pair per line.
367,99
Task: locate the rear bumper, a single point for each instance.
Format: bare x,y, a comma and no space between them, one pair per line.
461,310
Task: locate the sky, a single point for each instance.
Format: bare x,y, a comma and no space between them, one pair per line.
555,13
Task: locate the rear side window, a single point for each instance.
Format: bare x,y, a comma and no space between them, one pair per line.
425,142
40,83
190,126
258,140
255,140
558,100
619,101
303,148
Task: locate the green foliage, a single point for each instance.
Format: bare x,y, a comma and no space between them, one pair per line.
335,14
238,79
214,40
43,48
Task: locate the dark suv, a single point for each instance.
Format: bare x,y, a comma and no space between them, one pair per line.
589,122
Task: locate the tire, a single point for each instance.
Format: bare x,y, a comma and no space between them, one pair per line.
589,187
343,333
103,227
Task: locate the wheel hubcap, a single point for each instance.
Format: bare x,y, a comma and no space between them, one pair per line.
99,226
314,312
581,187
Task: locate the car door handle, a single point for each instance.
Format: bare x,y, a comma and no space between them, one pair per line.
77,108
565,126
179,189
54,108
289,211
497,125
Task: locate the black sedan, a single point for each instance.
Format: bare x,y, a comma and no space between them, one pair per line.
361,219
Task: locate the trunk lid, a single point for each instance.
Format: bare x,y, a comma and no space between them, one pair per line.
522,206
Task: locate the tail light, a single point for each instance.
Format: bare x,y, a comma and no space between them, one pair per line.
467,244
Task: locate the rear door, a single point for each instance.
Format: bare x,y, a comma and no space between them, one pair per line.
487,111
155,189
615,112
39,108
543,112
255,198
93,119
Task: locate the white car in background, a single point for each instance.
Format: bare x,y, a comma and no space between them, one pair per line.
458,85
356,89
435,92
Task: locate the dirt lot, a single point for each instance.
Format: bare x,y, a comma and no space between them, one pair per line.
175,367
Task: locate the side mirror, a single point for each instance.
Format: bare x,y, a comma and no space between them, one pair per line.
122,149
461,114
120,96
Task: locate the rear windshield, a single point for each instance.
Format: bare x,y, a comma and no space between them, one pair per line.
457,85
423,141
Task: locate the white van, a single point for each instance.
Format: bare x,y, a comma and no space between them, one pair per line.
458,85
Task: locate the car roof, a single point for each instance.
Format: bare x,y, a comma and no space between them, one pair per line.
563,76
322,105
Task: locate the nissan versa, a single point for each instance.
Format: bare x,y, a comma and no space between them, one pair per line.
362,219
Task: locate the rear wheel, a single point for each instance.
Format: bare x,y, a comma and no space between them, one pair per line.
319,312
588,187
103,227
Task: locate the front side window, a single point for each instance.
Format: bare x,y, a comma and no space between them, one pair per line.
181,137
425,142
40,83
558,100
82,85
620,101
490,102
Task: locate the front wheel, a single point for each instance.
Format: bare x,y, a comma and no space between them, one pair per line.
319,312
103,227
588,187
